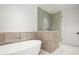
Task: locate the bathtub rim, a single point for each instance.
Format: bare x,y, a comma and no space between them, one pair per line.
9,49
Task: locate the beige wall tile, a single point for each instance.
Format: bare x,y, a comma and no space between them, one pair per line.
1,38
27,35
50,40
10,37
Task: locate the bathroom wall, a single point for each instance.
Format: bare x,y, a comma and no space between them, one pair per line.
18,17
12,37
70,26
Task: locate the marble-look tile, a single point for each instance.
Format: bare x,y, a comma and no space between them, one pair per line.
50,41
10,37
1,38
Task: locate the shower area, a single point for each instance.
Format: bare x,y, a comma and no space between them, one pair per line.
48,21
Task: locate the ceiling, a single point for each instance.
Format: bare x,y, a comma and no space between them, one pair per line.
53,8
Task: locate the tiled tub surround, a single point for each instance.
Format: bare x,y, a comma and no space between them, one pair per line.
11,37
50,40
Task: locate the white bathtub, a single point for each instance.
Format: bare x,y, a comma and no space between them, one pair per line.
31,47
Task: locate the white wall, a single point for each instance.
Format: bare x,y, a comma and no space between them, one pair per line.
18,18
70,26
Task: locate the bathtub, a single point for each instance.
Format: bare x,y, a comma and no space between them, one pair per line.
30,47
